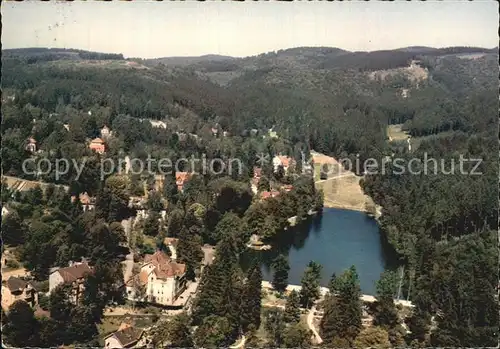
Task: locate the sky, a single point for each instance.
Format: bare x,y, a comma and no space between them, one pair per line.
150,29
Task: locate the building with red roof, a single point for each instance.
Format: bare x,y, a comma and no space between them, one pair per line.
162,278
97,145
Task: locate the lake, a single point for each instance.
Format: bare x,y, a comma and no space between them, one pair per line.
336,239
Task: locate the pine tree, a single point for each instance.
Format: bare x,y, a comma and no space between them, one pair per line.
21,328
385,311
292,307
342,318
217,282
189,252
275,325
170,190
309,292
280,276
251,301
174,333
103,198
297,335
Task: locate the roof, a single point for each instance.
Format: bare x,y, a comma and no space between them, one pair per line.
170,241
85,199
127,336
164,266
269,194
182,176
16,284
285,160
169,270
142,277
257,172
31,140
75,272
157,258
97,140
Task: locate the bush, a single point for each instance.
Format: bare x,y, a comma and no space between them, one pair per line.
10,263
43,301
41,286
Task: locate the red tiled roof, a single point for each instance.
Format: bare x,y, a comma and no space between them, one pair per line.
170,241
269,194
169,270
85,199
181,177
285,160
164,266
142,277
97,140
257,172
157,258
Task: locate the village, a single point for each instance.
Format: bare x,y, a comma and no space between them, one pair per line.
155,283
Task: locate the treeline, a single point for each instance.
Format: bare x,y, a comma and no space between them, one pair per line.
447,214
40,54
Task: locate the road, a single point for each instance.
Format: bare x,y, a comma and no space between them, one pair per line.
240,344
129,259
310,323
342,175
17,273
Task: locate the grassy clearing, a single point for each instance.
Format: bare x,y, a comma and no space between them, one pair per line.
396,133
109,324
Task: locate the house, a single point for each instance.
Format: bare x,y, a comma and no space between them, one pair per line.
269,194
182,136
161,279
14,289
181,178
66,127
287,187
254,183
74,274
257,173
272,133
158,124
281,160
88,202
105,132
97,145
126,336
215,131
31,146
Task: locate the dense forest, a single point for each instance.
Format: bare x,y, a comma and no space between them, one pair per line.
442,226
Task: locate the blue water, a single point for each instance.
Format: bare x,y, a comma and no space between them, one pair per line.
337,239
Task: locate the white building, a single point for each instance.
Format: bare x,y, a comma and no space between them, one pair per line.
158,124
161,280
126,336
281,160
105,132
74,274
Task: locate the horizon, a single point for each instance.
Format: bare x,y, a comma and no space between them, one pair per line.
237,57
236,29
